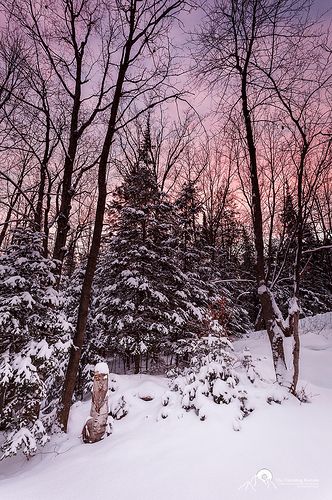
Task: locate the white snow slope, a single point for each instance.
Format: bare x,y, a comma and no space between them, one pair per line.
281,452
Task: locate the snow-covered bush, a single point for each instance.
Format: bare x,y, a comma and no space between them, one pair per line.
34,340
118,408
216,375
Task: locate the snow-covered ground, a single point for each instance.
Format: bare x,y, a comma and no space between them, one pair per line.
281,452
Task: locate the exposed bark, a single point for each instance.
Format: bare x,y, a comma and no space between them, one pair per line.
96,427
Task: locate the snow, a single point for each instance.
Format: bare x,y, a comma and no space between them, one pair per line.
26,297
262,289
102,368
42,350
132,282
293,306
281,452
14,281
51,296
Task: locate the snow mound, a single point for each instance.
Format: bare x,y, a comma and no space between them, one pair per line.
150,457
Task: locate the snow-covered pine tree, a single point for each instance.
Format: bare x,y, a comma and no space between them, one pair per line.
144,301
34,338
188,207
218,378
211,265
315,281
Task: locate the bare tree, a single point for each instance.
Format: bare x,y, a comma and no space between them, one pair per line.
245,43
71,40
144,27
168,141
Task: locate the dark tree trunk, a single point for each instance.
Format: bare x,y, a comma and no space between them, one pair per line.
13,200
75,354
46,215
137,359
294,315
67,193
42,181
269,313
8,218
40,199
132,38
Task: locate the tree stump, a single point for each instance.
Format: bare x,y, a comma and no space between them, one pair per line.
96,426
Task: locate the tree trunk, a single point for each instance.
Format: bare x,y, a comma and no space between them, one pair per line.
137,358
13,200
270,311
46,216
135,35
294,309
75,355
7,220
294,328
43,174
96,427
67,193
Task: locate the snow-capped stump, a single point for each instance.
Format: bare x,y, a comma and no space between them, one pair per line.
97,425
102,368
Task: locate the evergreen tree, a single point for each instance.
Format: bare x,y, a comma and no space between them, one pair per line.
193,254
288,215
247,254
145,302
34,338
213,265
188,208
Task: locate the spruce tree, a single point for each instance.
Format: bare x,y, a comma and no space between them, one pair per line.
212,266
145,302
34,339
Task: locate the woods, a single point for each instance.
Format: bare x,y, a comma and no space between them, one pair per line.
135,222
